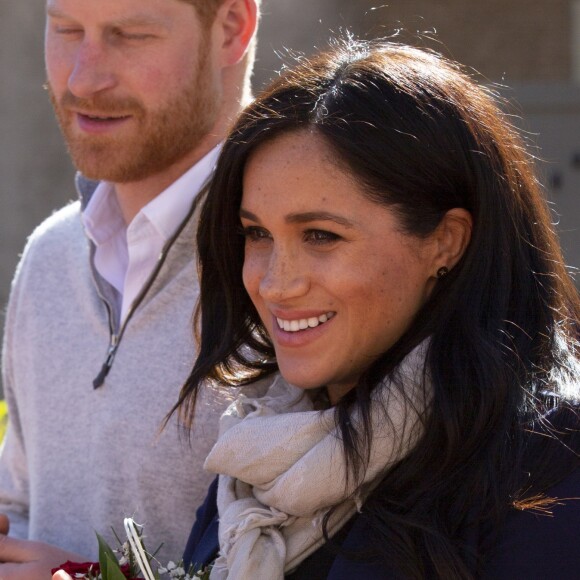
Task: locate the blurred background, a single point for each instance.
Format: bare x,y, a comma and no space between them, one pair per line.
529,47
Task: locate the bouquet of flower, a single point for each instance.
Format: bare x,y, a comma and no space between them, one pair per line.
130,562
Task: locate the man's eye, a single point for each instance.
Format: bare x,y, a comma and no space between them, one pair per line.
320,237
66,31
131,35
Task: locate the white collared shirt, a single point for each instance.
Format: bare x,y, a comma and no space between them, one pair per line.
126,255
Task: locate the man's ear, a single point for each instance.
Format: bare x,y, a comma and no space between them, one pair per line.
236,22
452,237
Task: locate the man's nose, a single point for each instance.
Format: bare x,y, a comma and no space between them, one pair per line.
92,71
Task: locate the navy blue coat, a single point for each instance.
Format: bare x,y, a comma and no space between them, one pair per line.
530,546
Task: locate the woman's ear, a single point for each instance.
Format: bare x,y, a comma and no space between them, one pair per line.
236,22
452,237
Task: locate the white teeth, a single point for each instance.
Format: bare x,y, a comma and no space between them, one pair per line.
303,323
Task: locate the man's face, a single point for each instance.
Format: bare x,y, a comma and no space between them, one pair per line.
133,84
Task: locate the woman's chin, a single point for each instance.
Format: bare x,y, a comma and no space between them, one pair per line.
299,380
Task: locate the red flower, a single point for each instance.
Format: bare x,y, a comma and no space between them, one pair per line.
73,568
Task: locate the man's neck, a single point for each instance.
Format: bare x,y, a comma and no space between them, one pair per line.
135,195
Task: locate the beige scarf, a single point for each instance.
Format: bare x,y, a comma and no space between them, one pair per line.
282,467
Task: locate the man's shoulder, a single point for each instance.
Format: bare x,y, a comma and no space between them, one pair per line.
63,226
57,240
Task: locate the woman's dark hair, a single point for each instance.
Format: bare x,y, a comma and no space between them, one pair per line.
422,137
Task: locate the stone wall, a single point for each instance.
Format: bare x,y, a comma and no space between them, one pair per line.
35,174
513,40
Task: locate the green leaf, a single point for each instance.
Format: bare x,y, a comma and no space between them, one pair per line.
109,566
113,570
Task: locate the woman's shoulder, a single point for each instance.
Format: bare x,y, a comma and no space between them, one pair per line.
534,543
542,540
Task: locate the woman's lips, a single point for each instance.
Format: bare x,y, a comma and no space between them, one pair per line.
298,324
301,329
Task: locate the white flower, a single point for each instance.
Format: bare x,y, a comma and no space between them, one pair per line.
175,571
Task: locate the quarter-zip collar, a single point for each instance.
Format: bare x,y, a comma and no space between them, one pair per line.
106,292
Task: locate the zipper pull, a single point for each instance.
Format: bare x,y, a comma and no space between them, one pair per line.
100,378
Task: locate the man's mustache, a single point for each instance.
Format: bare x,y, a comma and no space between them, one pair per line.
102,104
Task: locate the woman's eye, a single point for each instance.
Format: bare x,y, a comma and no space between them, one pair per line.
320,237
255,234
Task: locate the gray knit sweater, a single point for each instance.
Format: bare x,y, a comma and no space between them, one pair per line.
78,459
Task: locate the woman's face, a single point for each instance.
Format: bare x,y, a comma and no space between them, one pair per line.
332,277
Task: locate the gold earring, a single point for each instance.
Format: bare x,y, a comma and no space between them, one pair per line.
442,272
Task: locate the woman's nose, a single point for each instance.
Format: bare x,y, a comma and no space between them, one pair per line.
284,278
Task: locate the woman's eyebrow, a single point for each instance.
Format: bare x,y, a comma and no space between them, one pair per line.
304,217
244,213
314,216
